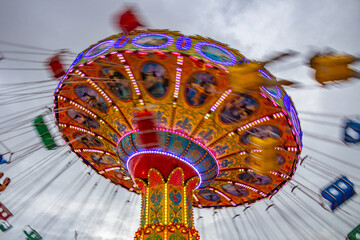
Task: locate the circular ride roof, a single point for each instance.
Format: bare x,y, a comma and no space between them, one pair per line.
184,81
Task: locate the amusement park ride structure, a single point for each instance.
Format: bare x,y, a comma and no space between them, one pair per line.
185,122
155,112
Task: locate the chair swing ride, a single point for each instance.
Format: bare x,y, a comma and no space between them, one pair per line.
184,121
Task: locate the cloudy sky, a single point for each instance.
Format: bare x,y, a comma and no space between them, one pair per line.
256,28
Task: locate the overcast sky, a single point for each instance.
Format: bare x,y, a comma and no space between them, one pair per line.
256,28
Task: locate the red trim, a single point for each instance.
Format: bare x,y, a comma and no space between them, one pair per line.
140,165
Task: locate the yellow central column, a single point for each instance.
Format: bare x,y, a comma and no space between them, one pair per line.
167,207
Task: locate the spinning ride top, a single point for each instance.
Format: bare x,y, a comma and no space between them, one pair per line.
154,112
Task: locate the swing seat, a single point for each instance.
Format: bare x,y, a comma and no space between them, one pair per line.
331,68
31,234
338,192
44,133
4,212
5,226
352,132
56,67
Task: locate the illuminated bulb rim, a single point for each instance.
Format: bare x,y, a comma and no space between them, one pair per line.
180,41
232,57
269,91
120,43
169,41
126,134
68,71
276,95
109,169
106,44
77,59
287,102
295,120
166,154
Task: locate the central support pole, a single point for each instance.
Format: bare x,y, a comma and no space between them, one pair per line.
166,211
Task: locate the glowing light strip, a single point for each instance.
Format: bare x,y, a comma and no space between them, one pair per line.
102,93
80,73
263,95
277,95
278,115
194,58
147,206
289,149
160,52
120,43
253,123
69,71
108,99
231,134
83,108
220,100
295,120
132,78
110,44
292,149
177,82
207,116
251,188
77,59
121,57
185,206
283,175
224,69
208,65
88,150
274,103
287,102
232,57
222,194
180,60
167,154
109,169
255,150
92,150
82,130
180,42
278,91
265,74
166,196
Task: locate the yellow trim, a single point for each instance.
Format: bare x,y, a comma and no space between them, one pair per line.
147,207
185,207
166,204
